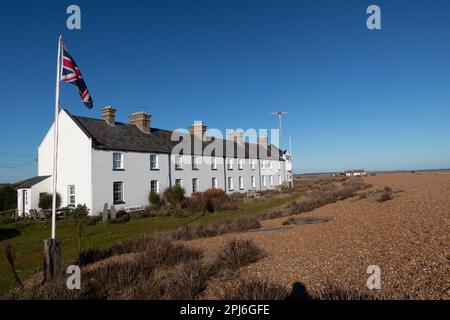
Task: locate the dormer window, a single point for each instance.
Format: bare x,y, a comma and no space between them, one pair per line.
117,161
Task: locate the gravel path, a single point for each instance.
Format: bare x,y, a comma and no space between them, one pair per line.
408,237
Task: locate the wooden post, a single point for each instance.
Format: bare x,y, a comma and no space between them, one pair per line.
52,259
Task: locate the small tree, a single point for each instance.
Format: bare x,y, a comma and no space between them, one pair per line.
154,199
46,200
8,198
81,211
174,195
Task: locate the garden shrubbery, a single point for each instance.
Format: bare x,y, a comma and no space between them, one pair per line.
46,200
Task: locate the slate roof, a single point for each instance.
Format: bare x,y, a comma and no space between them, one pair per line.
127,137
25,184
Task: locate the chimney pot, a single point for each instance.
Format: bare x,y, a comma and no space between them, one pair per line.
109,115
262,141
198,129
237,136
141,120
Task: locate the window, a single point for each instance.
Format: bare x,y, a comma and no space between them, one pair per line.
118,192
194,185
213,163
253,164
241,183
241,164
71,196
271,180
178,182
154,186
279,165
178,162
264,164
117,161
264,181
230,164
214,183
279,180
154,162
194,163
253,182
270,164
230,184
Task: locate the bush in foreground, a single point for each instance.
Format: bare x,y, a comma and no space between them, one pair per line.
255,289
238,253
195,231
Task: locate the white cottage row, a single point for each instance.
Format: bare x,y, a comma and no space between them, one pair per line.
103,161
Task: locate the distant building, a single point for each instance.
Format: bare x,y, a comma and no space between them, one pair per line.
355,173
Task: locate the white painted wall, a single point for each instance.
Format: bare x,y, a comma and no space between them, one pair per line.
136,178
74,161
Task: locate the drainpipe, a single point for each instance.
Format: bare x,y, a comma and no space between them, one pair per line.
170,170
225,174
260,178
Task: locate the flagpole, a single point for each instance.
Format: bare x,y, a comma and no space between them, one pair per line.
55,140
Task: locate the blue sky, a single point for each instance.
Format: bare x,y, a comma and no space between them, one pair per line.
356,98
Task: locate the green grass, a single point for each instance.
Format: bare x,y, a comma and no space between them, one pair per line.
29,243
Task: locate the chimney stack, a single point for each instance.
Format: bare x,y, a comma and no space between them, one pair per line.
237,136
262,141
198,129
109,115
141,120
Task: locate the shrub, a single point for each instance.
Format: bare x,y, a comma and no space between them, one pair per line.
238,253
174,195
8,198
46,200
386,195
93,220
195,231
332,291
154,199
92,255
211,200
79,212
181,282
255,289
148,212
124,217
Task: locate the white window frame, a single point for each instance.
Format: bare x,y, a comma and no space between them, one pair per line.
241,183
115,161
213,163
194,162
195,189
264,181
214,183
279,179
253,166
271,180
180,184
122,197
178,162
253,181
156,162
157,186
230,184
241,164
230,164
279,165
71,194
270,165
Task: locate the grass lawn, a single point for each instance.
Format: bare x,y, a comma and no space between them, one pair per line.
27,237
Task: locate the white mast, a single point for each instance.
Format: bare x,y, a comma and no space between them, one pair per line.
55,140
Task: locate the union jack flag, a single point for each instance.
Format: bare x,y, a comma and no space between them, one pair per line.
71,74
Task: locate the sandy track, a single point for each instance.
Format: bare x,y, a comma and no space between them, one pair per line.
407,237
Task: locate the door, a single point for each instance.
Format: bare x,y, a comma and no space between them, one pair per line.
24,202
